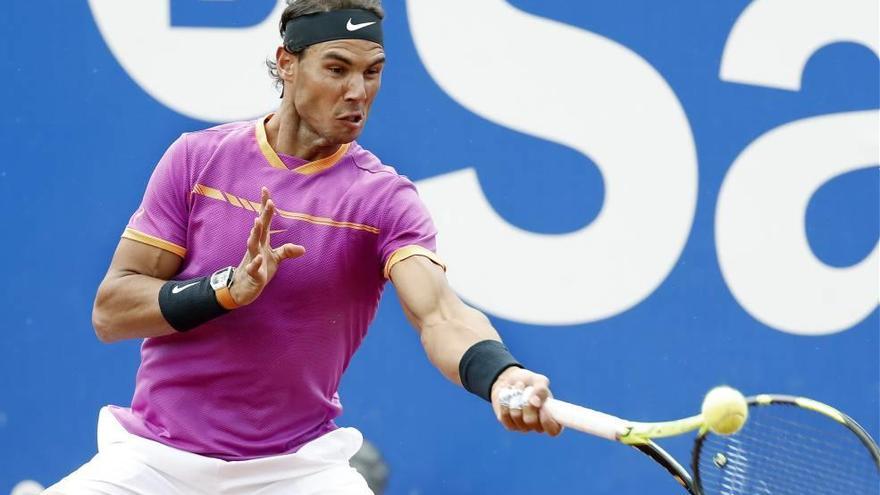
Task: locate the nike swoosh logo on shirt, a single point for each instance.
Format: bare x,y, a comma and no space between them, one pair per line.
277,231
178,288
355,27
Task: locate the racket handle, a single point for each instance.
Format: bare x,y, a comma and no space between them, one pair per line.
569,415
585,420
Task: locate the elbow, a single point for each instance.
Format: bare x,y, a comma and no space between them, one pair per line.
102,321
103,329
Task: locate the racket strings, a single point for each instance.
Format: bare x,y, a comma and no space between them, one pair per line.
803,454
810,434
737,478
734,486
786,450
793,464
836,443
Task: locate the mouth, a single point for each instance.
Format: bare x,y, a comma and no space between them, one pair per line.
355,119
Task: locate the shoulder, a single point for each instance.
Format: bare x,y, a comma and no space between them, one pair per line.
395,195
221,135
199,147
371,171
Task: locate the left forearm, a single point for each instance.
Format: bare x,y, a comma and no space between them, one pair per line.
447,326
449,330
446,339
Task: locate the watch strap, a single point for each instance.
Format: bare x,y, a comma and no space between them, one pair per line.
221,287
224,297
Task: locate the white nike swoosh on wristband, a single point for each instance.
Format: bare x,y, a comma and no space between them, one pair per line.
178,288
355,27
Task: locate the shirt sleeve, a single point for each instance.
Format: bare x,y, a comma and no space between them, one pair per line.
406,229
162,218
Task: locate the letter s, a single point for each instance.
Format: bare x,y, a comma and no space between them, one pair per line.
620,112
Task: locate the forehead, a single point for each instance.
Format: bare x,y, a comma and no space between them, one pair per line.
357,51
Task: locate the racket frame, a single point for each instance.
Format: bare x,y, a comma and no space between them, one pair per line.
640,435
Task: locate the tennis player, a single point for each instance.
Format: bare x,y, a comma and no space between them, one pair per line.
252,269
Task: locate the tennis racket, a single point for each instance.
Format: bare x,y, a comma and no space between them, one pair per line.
788,446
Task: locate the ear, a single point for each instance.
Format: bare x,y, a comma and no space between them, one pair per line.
287,64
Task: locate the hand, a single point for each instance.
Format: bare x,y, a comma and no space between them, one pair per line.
260,261
532,417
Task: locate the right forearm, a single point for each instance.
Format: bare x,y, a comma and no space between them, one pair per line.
127,307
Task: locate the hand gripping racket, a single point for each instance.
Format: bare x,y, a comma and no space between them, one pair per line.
787,446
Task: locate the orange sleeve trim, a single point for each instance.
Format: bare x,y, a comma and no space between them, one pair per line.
405,252
135,235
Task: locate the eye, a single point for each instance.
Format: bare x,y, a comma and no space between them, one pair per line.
335,69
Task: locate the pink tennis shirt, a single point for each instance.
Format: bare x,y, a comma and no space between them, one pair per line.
262,380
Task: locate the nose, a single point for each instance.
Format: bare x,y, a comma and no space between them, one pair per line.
357,88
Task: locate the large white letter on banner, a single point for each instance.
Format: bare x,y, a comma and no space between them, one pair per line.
760,221
192,70
584,91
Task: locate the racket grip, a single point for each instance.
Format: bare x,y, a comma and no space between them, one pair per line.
585,420
570,415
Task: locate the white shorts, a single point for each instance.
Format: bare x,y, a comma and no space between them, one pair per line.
127,464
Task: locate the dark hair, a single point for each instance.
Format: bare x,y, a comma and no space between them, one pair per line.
297,8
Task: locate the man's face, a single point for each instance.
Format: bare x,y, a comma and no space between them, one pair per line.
333,86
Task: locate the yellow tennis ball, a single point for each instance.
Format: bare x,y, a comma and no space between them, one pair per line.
725,410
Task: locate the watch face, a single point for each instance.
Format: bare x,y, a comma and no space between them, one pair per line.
221,278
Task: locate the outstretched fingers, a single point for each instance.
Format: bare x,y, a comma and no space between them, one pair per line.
253,268
260,261
267,209
253,242
288,251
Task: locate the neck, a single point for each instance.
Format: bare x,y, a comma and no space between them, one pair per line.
288,134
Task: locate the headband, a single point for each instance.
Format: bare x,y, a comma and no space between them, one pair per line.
303,31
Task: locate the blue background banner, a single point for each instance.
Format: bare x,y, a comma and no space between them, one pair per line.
648,199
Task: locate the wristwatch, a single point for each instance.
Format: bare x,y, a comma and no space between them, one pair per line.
221,281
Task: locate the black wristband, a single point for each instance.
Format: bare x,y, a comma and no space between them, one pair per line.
481,365
186,304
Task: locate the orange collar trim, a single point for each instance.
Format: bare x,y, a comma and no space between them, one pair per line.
305,169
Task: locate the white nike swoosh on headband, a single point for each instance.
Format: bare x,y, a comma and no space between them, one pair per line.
177,288
355,27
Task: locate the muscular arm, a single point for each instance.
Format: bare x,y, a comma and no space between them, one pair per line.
127,303
446,325
448,328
